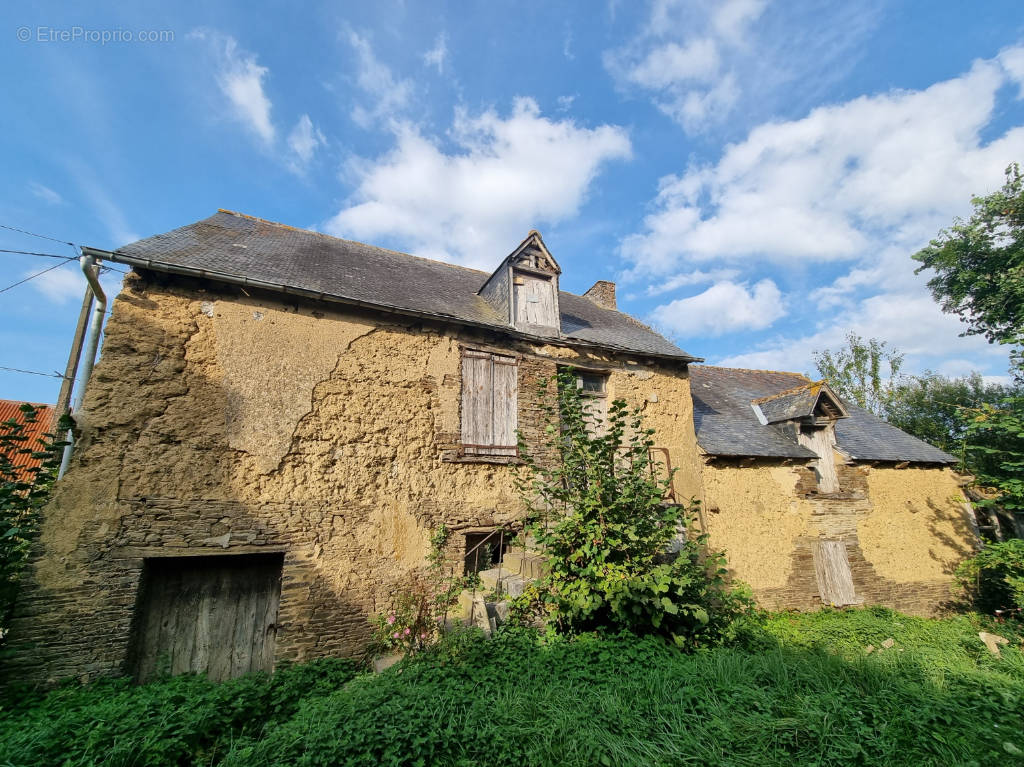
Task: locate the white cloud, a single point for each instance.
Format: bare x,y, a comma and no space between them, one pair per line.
684,57
473,205
909,321
666,64
438,55
723,308
859,185
45,194
565,102
388,96
303,142
695,277
839,184
240,79
1012,60
60,285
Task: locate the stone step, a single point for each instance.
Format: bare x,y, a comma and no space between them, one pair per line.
474,610
501,581
528,564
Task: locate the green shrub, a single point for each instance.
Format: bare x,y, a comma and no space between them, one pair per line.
619,557
180,720
994,577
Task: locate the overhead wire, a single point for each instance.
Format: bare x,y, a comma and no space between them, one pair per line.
40,236
31,372
36,253
32,277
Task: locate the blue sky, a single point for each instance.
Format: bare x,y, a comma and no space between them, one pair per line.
754,175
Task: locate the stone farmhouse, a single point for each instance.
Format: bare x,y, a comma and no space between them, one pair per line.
280,419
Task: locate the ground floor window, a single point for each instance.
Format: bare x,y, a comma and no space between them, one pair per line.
484,550
213,615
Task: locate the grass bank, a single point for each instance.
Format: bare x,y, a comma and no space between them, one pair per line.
799,691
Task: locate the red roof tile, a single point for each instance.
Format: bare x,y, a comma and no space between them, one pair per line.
43,424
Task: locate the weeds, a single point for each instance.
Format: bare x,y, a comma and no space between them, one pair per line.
801,691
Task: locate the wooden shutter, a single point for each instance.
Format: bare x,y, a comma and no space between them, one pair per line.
534,300
832,567
506,399
490,391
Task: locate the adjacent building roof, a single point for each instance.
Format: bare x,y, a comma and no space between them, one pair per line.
727,424
232,247
43,424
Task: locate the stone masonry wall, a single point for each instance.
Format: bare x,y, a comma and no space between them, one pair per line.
905,530
223,421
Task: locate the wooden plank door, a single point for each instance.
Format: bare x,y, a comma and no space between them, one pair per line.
208,615
832,568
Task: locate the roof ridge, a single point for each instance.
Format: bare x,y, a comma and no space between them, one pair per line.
787,392
342,239
760,370
412,255
36,405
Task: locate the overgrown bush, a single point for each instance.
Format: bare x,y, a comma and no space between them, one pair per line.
994,577
619,557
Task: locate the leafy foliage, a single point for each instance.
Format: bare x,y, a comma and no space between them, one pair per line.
937,409
858,372
994,577
600,518
979,264
995,435
174,721
23,491
808,696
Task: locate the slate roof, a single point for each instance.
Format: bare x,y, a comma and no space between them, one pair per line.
232,247
727,425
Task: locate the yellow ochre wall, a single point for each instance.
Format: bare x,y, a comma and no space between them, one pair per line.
905,530
218,422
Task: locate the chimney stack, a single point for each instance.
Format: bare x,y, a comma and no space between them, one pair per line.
603,294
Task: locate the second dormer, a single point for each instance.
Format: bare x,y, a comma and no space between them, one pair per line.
524,288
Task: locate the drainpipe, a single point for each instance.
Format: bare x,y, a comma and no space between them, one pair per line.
91,272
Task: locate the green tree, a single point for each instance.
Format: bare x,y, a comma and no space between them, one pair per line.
937,409
979,275
22,494
863,372
979,264
620,558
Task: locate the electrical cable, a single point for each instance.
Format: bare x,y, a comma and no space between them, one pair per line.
35,253
33,234
31,372
32,277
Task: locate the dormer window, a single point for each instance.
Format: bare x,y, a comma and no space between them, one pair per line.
524,288
533,299
808,413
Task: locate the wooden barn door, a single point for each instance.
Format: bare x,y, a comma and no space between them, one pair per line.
213,615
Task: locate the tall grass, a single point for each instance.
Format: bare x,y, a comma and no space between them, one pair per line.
802,692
